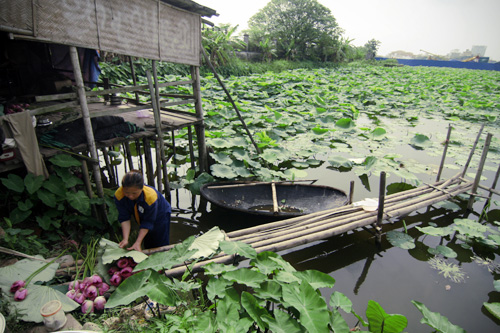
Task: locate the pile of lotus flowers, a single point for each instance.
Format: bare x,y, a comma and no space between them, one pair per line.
122,270
89,293
19,290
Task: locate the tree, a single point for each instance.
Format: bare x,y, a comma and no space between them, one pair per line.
371,48
305,24
220,44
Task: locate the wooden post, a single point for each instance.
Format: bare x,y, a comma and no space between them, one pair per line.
129,155
174,150
191,152
444,153
134,79
491,189
479,170
109,167
139,153
381,198
472,150
351,192
148,159
88,186
275,200
86,119
200,128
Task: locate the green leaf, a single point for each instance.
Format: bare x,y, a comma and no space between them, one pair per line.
470,227
436,320
55,185
236,247
217,288
439,232
282,323
443,250
222,171
112,254
316,278
46,222
253,308
216,269
166,260
207,244
496,284
130,289
246,277
338,299
25,205
68,178
380,321
400,239
160,292
378,133
17,215
421,141
295,173
338,323
345,123
493,308
318,130
65,161
311,306
33,183
270,291
47,198
22,269
222,158
340,162
13,182
79,201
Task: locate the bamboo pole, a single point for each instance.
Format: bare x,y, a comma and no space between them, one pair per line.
441,165
275,200
480,170
381,198
191,149
148,159
139,154
109,167
466,166
351,192
134,79
129,155
159,134
199,128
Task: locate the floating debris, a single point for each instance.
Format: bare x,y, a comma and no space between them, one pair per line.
449,270
492,266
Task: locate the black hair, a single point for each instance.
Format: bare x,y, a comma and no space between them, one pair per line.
133,178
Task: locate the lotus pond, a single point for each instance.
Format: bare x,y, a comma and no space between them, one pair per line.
349,124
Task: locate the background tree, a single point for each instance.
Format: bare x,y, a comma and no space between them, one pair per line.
220,43
305,24
371,48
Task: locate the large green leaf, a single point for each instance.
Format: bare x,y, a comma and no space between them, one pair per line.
217,288
223,171
33,183
132,288
112,254
166,260
345,123
13,182
22,269
340,162
443,250
17,215
493,308
421,141
79,201
236,247
256,312
436,320
160,292
68,178
282,323
47,197
380,321
439,232
246,277
65,161
339,300
400,239
269,290
207,244
316,278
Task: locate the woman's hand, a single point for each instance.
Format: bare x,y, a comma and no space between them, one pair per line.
123,243
136,246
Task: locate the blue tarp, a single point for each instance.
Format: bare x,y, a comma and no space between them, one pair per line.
452,63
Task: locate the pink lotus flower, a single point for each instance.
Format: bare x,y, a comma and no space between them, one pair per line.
113,270
115,279
17,285
131,262
74,285
20,294
90,292
103,288
96,279
126,272
71,294
122,263
99,303
79,297
88,306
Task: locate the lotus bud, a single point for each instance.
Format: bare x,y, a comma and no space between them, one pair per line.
20,294
131,262
17,285
71,294
99,303
74,285
126,272
115,279
90,292
103,288
113,270
122,263
88,306
79,297
96,279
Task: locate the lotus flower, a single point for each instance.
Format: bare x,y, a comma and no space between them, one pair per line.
71,294
126,272
131,262
88,306
122,263
79,297
90,292
95,279
99,303
74,285
20,294
115,279
103,288
17,285
113,270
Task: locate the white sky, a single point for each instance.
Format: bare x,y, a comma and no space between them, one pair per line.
437,26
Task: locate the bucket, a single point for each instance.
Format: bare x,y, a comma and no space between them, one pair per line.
53,316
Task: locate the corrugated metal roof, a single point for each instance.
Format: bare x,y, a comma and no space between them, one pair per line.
192,7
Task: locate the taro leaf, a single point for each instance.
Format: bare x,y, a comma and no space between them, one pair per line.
436,320
33,183
311,306
286,277
55,185
380,321
17,215
223,171
282,323
130,289
338,323
227,313
38,296
316,278
22,269
295,173
235,247
345,123
263,261
340,162
13,182
338,299
46,222
65,161
401,240
166,260
222,158
217,288
68,178
269,290
112,254
206,244
443,250
493,308
245,276
47,198
420,141
378,133
79,201
439,232
253,308
199,182
160,292
496,284
216,269
25,205
205,322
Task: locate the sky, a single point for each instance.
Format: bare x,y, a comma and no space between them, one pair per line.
436,26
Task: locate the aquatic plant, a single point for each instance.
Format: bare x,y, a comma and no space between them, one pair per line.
449,270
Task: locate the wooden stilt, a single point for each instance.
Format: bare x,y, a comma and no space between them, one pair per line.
191,151
444,153
148,159
199,128
174,150
88,186
134,79
380,210
479,170
109,167
129,155
351,192
139,154
466,166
